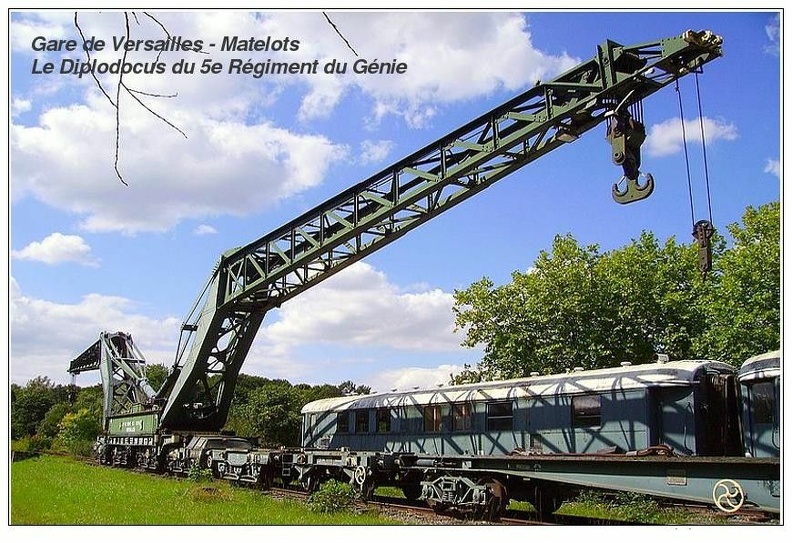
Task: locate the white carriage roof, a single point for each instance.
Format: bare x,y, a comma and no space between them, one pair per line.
662,374
762,366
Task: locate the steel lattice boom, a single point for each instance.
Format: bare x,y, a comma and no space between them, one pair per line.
251,280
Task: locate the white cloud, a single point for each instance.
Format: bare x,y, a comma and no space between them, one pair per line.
204,230
773,31
19,106
773,167
234,148
226,167
357,311
45,336
372,152
359,306
666,138
57,248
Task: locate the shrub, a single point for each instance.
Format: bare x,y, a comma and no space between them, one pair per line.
38,443
78,432
332,497
197,474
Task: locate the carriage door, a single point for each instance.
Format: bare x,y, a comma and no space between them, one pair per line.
717,416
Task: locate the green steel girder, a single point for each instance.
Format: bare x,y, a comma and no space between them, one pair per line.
125,388
251,280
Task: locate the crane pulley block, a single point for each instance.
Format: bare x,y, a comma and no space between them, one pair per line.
626,134
702,232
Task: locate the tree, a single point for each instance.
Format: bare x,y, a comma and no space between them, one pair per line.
745,312
78,432
156,375
271,413
31,404
348,388
579,307
49,426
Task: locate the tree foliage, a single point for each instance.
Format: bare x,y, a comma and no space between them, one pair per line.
156,375
580,307
270,409
78,431
745,314
30,404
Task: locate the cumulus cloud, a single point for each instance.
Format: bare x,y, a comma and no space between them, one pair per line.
237,159
358,311
204,230
666,138
58,248
372,152
19,106
773,31
227,168
359,306
46,335
773,167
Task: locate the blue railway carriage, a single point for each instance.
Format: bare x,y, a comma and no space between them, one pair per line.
760,387
690,406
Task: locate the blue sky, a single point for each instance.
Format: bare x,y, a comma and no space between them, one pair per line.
88,253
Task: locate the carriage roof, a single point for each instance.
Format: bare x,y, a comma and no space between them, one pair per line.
623,378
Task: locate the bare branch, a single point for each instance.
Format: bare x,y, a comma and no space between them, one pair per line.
133,93
121,85
88,54
339,33
118,107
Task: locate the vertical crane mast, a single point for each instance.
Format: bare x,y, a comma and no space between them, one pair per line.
250,280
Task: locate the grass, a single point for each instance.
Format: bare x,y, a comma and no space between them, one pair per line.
60,491
631,507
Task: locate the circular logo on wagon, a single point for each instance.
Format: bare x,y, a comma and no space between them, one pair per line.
728,495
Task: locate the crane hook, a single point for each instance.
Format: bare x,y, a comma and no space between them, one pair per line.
633,191
626,135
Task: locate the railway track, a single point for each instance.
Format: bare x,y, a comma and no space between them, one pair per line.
417,513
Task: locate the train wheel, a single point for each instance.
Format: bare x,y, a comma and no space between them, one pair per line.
309,483
265,479
411,492
546,502
498,501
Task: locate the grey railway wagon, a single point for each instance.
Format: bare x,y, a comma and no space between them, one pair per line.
691,406
760,386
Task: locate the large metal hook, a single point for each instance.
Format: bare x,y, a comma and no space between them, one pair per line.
633,191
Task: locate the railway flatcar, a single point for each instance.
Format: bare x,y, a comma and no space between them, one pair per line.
760,387
690,406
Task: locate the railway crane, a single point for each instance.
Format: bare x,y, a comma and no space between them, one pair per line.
142,426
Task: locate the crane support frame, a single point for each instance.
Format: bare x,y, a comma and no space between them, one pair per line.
251,280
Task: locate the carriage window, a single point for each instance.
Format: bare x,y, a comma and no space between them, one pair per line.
762,401
461,417
587,410
433,418
342,422
383,420
361,422
499,416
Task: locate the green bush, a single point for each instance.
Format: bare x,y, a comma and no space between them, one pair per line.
38,443
78,432
197,474
332,497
